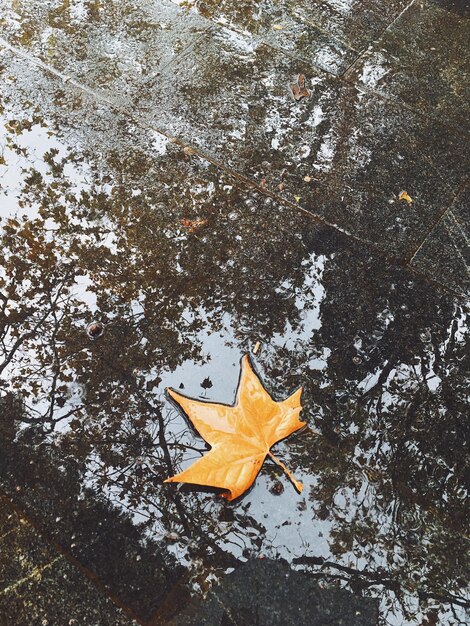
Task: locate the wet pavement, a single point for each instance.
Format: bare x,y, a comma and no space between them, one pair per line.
40,586
167,203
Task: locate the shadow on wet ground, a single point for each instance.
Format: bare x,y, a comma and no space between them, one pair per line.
167,203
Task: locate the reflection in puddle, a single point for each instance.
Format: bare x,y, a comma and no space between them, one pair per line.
92,232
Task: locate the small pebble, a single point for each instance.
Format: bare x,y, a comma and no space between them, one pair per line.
95,329
277,488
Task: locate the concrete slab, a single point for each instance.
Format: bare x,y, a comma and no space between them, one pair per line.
58,594
329,35
114,48
445,254
22,554
341,154
422,60
246,597
456,6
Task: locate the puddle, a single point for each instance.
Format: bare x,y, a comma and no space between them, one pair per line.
186,269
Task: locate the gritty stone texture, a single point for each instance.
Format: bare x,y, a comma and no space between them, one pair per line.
114,48
269,593
328,34
58,595
460,7
38,587
423,60
9,520
445,255
22,553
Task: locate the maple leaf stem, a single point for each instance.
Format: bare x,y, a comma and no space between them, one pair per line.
298,485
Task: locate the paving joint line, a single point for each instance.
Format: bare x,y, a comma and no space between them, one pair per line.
35,574
459,295
182,53
393,100
438,220
379,36
8,533
212,23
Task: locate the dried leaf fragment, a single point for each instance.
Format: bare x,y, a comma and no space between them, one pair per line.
193,225
404,196
240,436
298,89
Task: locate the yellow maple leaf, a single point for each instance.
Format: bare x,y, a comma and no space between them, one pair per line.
240,436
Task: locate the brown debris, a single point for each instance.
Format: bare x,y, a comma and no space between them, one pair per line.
193,225
298,89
